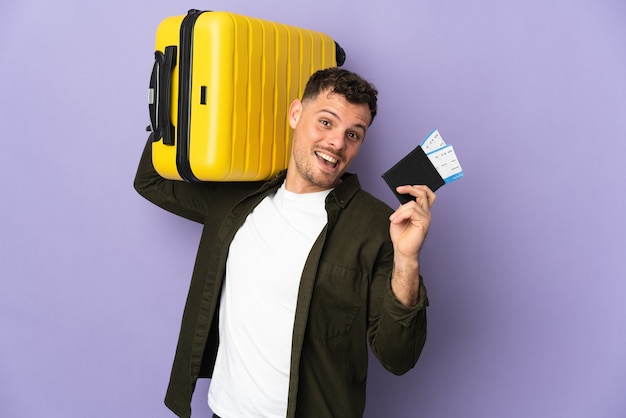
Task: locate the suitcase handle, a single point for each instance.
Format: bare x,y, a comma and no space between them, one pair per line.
340,55
160,95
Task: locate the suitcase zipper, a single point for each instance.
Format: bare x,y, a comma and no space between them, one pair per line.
184,96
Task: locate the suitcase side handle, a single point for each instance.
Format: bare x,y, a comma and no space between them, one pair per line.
160,95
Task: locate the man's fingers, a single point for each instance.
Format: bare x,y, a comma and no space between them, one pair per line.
422,194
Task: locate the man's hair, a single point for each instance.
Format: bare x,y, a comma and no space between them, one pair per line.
352,86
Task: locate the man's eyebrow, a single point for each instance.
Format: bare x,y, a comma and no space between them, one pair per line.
330,112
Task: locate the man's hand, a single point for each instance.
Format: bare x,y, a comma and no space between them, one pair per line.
408,229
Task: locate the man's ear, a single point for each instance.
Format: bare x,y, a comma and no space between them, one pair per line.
295,109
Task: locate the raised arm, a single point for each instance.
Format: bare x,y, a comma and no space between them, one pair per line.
408,229
188,200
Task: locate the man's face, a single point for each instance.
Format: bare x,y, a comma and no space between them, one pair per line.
327,134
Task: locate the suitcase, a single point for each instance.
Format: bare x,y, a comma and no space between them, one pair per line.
220,90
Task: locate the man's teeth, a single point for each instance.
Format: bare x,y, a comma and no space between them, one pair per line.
326,157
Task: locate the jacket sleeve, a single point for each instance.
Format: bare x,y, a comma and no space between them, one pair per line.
396,333
185,199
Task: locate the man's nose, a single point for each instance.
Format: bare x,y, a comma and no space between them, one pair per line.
337,140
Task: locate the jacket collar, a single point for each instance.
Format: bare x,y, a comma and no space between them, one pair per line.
341,194
346,190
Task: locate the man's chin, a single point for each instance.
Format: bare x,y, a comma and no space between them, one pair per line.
327,180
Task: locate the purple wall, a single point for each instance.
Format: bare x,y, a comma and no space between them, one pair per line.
525,261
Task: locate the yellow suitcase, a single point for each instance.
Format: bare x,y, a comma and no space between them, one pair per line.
220,90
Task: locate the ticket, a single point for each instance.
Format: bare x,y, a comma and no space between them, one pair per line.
446,163
433,142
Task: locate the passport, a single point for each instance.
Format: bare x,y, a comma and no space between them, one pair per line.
432,163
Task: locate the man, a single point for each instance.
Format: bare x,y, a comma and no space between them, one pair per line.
293,276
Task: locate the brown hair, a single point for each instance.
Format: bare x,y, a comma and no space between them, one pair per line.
352,86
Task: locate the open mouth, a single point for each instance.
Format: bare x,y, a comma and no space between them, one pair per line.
326,159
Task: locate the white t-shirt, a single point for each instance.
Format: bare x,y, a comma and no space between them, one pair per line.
258,303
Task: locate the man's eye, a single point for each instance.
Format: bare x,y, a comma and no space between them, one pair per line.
353,136
325,122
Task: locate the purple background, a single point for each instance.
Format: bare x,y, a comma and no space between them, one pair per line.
525,262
